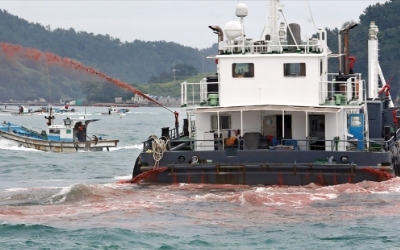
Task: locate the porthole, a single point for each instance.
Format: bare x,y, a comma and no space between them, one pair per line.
181,158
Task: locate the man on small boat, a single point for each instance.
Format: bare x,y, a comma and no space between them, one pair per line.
79,132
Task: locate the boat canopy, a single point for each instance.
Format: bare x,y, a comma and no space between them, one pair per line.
68,121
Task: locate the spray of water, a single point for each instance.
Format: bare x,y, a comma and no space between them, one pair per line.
12,50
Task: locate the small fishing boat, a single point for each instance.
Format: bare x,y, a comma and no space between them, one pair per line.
71,136
22,110
274,115
115,111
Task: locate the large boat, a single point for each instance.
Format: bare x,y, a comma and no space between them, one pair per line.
274,115
70,136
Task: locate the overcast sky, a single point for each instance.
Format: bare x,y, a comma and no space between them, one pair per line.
183,22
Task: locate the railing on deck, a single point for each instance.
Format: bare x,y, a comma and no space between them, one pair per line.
264,47
332,92
218,144
349,92
199,94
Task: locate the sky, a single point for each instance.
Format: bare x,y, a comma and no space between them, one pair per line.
185,21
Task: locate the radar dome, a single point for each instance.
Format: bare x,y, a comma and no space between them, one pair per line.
241,10
233,29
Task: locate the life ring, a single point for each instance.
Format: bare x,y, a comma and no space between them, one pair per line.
136,168
344,159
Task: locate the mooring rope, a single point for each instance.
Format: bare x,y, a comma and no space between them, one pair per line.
159,146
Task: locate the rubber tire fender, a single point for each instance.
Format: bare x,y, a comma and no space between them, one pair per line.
136,168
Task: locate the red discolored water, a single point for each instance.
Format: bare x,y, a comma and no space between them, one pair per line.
159,206
144,175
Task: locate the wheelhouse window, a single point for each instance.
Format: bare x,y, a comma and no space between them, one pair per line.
294,69
54,131
356,121
242,70
224,122
67,121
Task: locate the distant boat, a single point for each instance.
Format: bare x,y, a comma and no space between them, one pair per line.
63,110
21,110
8,110
71,136
115,111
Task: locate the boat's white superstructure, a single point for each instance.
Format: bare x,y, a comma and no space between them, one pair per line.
260,79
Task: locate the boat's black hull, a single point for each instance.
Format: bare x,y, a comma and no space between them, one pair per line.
263,167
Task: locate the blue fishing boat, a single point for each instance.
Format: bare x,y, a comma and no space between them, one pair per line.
274,114
70,136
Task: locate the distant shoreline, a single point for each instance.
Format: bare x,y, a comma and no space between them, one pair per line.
132,105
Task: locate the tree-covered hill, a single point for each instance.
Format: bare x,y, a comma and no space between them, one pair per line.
387,19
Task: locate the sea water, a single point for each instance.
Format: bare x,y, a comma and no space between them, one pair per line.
75,201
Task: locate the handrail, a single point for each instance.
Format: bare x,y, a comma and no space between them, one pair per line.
196,94
350,92
217,144
263,47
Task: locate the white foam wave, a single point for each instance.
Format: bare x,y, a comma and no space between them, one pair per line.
12,145
124,177
15,189
323,197
137,146
61,196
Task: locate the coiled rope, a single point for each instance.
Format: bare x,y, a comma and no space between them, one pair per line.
159,146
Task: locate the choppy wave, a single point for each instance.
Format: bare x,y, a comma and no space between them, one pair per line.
155,195
37,236
241,194
184,209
